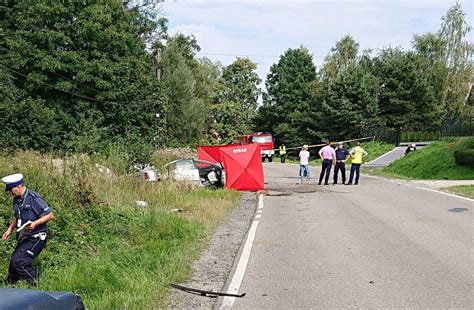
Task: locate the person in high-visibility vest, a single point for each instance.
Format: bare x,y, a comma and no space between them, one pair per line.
282,149
357,155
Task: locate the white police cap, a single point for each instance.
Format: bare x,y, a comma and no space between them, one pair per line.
13,180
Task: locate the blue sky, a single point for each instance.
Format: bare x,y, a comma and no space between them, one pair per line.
263,29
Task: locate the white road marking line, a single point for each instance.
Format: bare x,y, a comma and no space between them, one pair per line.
420,187
258,216
239,273
259,211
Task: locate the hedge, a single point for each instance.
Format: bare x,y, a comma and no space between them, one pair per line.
464,157
417,136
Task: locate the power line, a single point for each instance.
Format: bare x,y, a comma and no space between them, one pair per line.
90,88
54,87
237,55
248,55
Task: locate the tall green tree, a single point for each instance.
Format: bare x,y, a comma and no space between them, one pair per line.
288,96
87,63
184,113
31,116
407,98
207,75
340,58
449,53
350,103
458,58
432,47
334,112
235,100
242,86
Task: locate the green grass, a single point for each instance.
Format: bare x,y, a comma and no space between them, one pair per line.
435,161
463,190
102,246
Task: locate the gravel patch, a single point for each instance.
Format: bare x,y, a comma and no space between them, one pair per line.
211,270
439,184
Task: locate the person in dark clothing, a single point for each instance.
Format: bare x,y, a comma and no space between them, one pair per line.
31,213
410,148
341,156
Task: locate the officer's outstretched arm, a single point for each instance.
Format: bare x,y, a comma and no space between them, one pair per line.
9,230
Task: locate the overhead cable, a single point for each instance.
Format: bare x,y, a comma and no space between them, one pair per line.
54,87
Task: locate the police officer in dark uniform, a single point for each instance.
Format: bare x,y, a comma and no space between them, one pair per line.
341,156
31,213
410,148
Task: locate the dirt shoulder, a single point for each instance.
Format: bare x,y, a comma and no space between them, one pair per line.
449,186
211,270
437,184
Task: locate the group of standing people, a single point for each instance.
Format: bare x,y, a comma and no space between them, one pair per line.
338,157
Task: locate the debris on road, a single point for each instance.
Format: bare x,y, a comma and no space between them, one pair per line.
205,293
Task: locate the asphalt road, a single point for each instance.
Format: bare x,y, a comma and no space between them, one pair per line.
375,245
388,157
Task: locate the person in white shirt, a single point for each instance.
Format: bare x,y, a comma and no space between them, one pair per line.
304,163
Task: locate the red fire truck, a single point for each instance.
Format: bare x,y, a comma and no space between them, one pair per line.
266,140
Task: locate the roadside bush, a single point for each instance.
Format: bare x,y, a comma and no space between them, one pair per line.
464,157
417,136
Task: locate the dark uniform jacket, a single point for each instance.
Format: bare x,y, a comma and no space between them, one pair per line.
341,154
30,207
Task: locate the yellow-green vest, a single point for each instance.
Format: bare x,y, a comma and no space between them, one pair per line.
356,155
282,150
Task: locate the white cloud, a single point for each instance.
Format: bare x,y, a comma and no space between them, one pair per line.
263,27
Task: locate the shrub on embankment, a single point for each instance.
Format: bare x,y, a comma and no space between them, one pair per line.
464,157
435,161
104,247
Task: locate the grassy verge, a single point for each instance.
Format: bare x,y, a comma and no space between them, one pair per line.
435,161
104,247
463,190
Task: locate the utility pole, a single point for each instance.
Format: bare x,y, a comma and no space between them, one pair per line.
157,112
158,63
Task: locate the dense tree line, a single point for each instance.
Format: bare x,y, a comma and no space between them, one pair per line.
353,91
78,76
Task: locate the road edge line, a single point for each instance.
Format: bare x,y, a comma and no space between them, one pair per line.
228,302
382,156
421,187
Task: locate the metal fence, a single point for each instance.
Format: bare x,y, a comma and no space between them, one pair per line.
451,127
458,126
381,133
